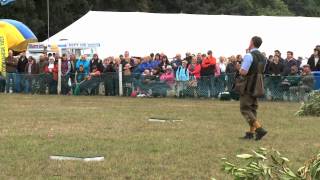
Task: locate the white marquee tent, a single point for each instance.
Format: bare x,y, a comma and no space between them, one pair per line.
143,33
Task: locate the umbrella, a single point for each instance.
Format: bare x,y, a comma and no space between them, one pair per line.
18,35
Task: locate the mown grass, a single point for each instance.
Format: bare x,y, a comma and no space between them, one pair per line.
34,127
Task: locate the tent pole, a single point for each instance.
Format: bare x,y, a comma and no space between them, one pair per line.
48,10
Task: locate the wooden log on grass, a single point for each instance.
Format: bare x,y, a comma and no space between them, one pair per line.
66,158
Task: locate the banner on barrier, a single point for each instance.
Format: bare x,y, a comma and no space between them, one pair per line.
3,52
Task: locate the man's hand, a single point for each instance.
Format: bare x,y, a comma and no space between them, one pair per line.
243,72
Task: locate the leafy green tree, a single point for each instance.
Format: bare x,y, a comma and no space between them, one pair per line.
24,11
304,7
274,8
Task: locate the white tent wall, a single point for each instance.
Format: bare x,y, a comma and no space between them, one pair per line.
143,33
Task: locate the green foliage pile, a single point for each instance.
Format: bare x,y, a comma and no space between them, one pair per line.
311,107
63,13
266,165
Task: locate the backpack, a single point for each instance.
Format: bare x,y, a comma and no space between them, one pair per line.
185,71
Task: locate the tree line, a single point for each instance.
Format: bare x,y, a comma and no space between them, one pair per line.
62,13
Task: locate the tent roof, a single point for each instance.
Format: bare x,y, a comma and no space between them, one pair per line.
143,33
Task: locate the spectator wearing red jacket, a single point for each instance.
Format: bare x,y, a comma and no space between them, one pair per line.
195,67
208,65
207,74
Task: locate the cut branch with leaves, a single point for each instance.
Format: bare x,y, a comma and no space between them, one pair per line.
263,164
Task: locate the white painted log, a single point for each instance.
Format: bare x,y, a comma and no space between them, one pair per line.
65,158
163,120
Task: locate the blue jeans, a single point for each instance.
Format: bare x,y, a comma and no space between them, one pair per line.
30,82
207,86
10,82
28,85
19,82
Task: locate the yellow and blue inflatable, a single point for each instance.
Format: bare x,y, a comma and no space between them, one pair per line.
17,34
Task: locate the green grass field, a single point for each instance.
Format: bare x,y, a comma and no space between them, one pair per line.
34,127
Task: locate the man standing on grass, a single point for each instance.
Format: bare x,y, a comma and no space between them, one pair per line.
252,87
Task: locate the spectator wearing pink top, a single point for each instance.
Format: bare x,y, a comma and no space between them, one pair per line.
168,77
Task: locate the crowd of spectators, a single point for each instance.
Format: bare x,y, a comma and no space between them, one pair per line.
199,74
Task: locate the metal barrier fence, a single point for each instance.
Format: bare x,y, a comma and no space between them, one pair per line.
278,88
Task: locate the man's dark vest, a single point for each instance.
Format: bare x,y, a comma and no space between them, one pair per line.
257,67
